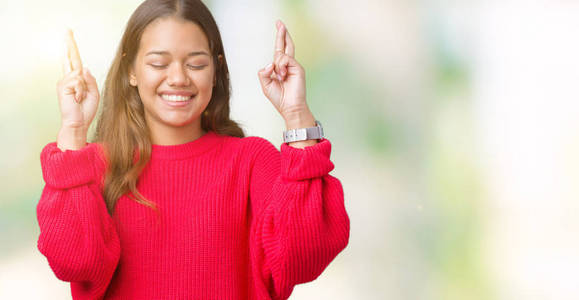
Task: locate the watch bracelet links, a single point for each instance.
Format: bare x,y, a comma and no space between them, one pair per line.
304,134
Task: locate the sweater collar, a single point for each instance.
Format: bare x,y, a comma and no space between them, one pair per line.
196,147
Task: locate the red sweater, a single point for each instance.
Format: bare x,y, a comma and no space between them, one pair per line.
238,220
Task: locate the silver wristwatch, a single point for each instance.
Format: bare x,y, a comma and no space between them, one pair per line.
302,134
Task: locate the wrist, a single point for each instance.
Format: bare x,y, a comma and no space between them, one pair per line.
300,119
71,138
303,144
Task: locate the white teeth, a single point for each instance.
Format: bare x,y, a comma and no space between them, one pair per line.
175,98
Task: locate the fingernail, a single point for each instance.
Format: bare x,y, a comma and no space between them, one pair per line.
269,66
278,77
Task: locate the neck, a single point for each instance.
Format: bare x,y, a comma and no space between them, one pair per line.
169,135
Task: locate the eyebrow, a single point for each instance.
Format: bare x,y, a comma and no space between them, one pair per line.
194,53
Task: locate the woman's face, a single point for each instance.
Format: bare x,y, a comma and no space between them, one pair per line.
174,73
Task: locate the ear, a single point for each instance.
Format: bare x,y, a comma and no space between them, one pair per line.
132,77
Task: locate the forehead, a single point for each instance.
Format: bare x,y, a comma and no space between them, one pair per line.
173,35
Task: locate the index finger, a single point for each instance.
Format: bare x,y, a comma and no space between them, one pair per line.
280,38
73,54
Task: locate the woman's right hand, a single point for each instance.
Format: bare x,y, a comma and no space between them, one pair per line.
78,98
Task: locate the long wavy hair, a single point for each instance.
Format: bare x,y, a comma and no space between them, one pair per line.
121,128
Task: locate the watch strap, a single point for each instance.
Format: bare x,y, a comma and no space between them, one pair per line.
303,134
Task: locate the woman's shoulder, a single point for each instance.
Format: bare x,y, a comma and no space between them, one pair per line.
250,146
251,143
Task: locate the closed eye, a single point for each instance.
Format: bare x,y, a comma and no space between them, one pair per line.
197,67
190,66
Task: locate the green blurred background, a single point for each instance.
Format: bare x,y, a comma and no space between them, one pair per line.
453,123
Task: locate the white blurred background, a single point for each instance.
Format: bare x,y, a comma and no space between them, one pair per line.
454,125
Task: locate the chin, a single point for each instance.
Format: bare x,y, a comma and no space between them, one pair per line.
177,122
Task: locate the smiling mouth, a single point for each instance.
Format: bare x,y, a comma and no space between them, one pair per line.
176,98
177,102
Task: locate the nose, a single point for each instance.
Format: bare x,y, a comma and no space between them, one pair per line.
177,76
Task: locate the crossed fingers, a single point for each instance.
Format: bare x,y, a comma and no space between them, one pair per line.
284,51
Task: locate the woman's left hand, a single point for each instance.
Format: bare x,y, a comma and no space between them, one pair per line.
283,81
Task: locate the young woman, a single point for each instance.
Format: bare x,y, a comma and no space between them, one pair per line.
170,200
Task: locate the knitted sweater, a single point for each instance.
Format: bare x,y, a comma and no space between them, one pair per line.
238,219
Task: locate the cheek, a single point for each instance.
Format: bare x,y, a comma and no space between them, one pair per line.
203,80
151,79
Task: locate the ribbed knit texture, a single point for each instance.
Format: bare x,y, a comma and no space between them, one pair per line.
238,219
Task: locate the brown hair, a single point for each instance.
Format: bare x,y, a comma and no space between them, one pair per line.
121,127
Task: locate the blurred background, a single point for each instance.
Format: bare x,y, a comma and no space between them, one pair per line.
454,125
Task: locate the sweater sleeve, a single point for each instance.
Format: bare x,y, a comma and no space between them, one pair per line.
300,222
77,235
